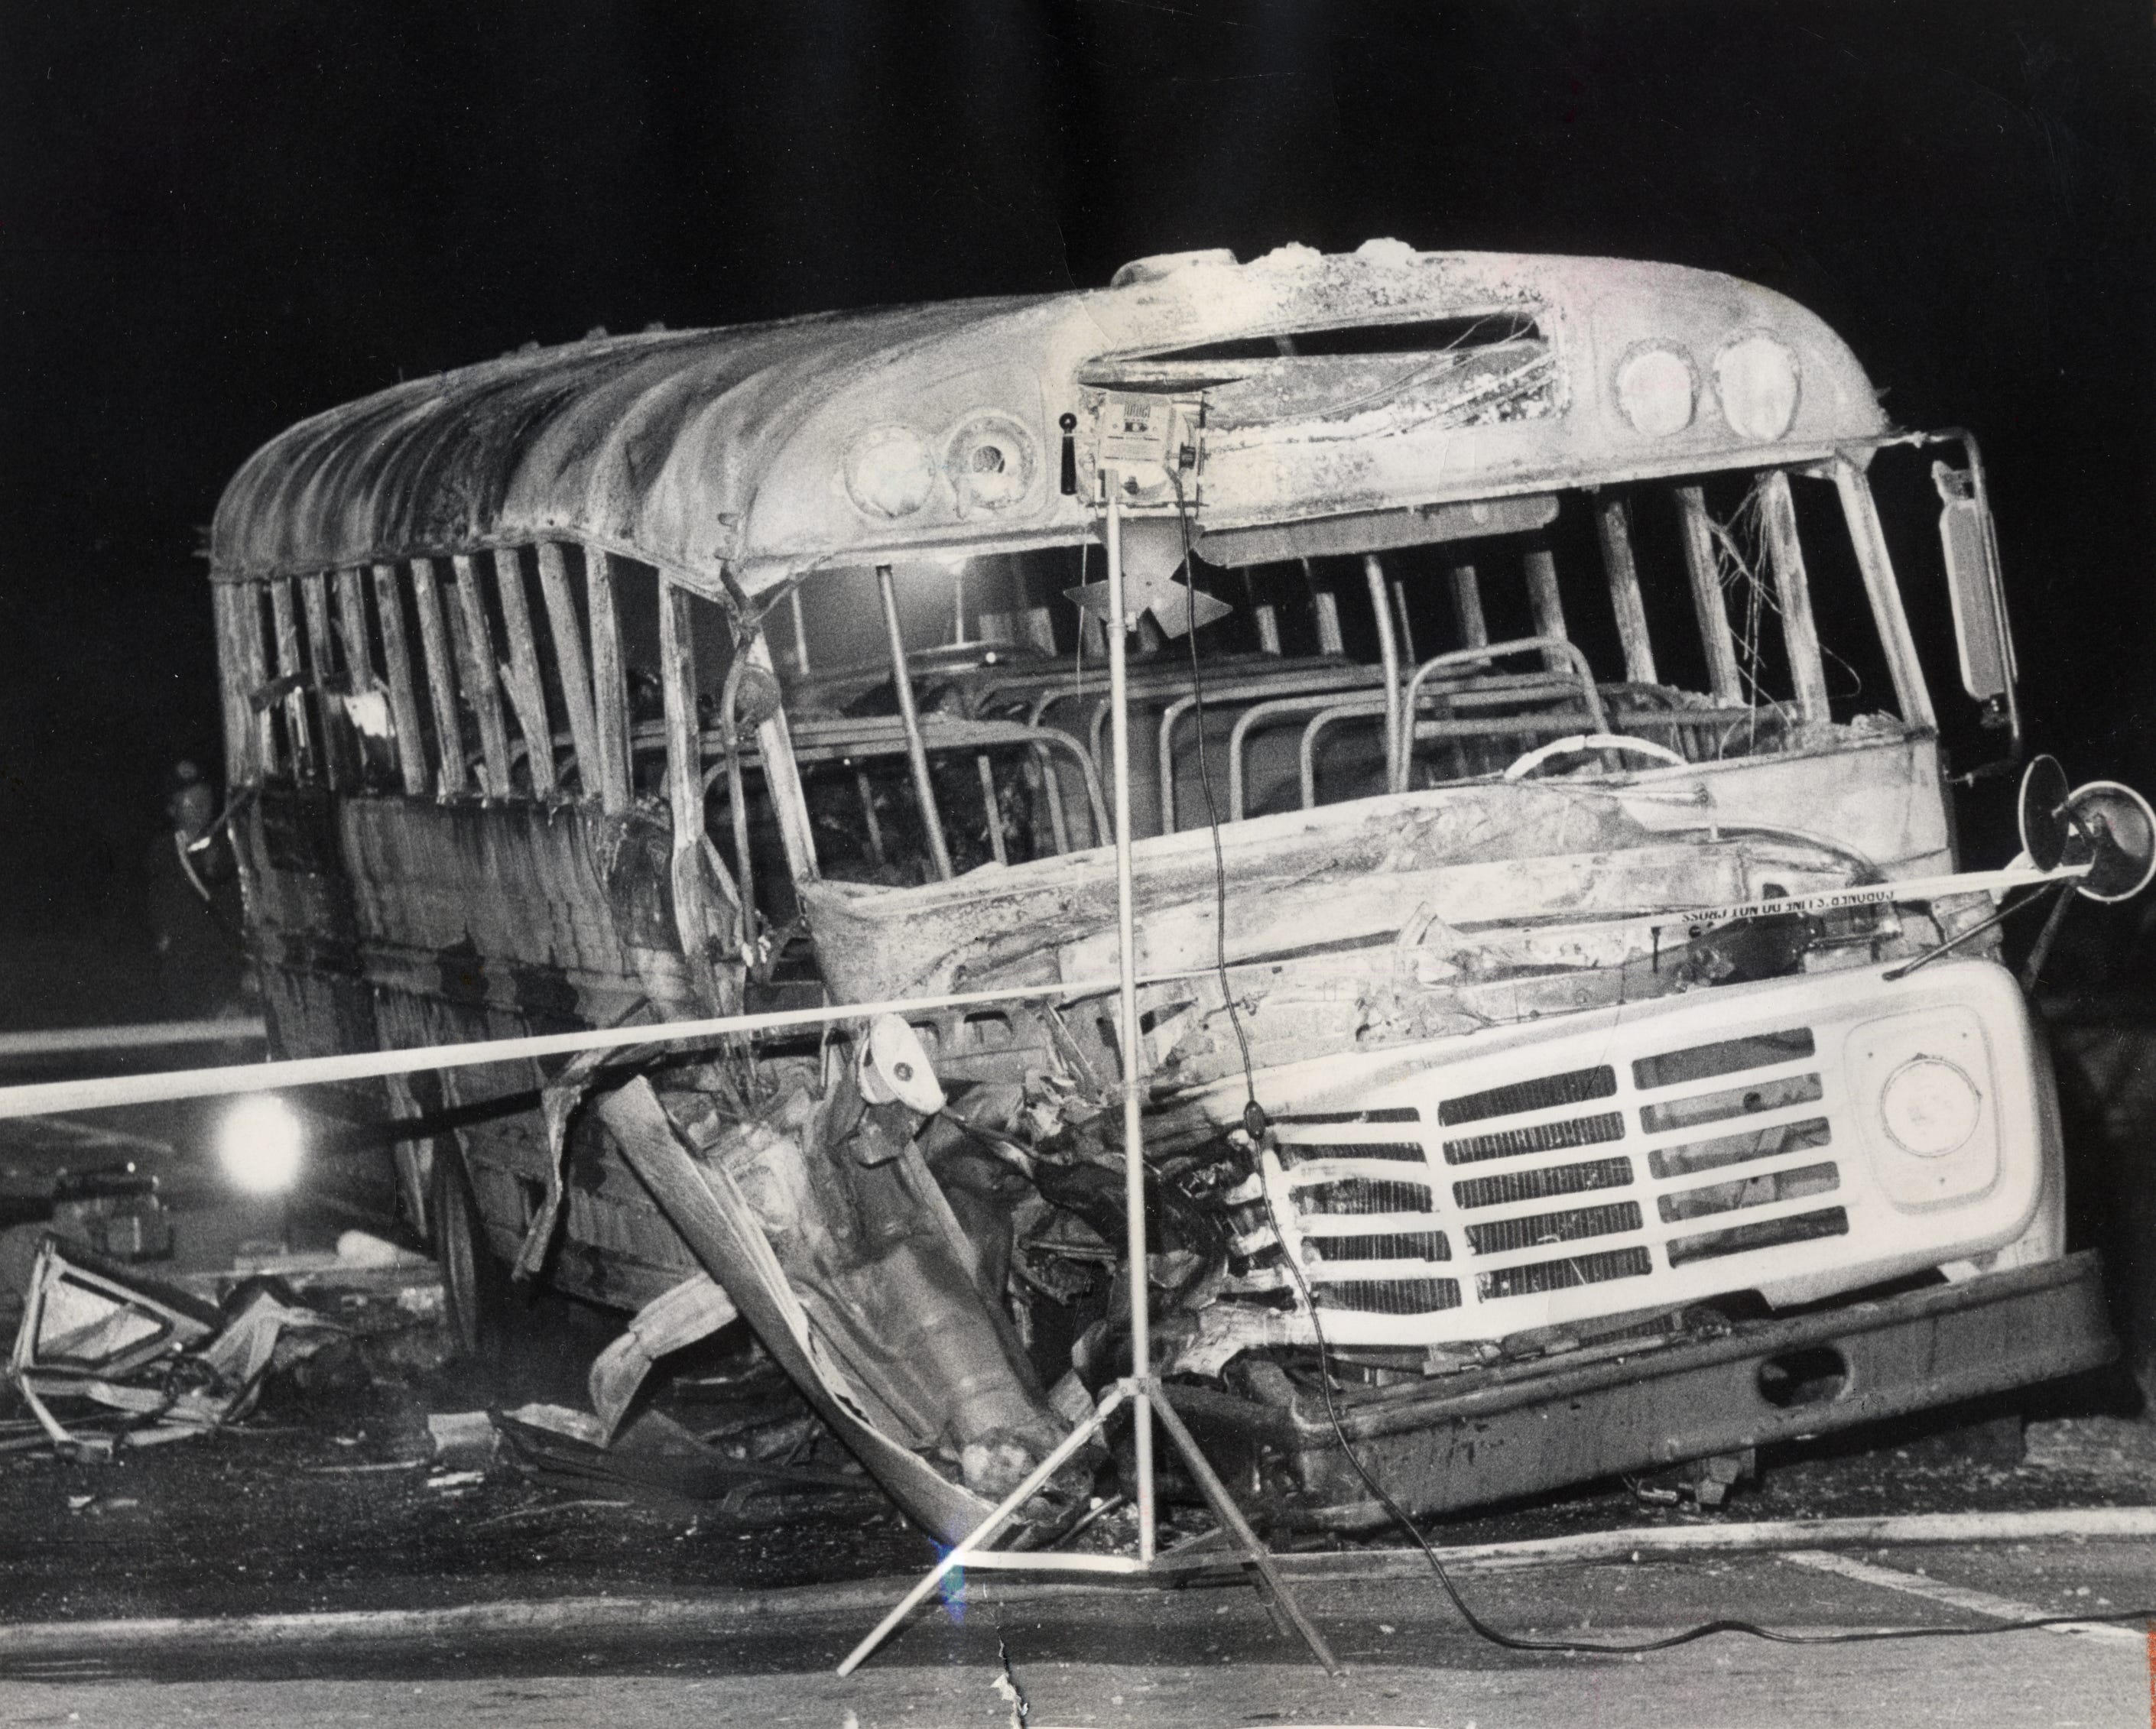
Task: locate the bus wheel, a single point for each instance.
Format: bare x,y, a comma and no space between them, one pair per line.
475,1284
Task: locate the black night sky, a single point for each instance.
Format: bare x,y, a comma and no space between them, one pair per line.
217,217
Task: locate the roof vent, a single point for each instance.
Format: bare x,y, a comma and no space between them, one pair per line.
1163,264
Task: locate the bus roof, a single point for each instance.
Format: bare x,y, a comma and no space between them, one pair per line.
1346,386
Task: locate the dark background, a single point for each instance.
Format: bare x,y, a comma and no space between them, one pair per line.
216,218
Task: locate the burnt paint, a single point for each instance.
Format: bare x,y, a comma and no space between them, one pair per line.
461,975
638,855
298,829
543,995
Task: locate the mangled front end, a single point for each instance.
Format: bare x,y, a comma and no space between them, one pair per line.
1517,1108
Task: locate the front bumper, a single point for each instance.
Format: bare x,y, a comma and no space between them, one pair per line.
1492,1434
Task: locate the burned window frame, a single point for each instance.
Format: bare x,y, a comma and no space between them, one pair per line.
292,643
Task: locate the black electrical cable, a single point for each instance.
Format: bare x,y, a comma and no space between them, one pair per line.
1255,1123
1212,809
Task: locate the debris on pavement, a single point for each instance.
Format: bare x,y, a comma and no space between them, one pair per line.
654,1454
171,1365
693,1310
562,1420
462,1438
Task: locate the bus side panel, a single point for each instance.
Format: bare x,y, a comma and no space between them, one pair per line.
304,935
497,922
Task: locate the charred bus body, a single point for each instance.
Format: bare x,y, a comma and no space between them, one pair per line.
681,674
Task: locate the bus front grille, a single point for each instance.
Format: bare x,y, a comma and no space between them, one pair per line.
1698,1152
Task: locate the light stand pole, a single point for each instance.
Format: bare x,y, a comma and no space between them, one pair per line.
1145,1395
1126,960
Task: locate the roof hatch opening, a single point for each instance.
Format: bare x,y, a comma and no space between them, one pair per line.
1423,336
1461,371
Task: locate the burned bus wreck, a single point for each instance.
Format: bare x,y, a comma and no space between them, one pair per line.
1511,828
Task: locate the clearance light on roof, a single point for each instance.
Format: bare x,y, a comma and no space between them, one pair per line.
1656,390
890,472
1756,378
990,462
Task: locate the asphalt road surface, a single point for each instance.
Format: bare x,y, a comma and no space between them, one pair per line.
638,1609
1207,1655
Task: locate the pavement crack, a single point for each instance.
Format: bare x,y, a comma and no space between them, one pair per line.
1008,1685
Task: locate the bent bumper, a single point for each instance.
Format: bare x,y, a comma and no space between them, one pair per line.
1490,1435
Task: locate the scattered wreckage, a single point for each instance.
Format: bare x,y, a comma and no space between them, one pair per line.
152,1361
1541,814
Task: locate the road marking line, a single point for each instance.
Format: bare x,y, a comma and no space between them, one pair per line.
1960,1597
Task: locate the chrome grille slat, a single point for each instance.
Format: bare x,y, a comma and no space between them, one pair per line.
1722,1106
1763,1233
1535,1277
1774,1140
1723,1056
1542,1182
1762,1189
1543,1137
1386,1245
1362,1194
1390,1296
1392,1151
1501,1236
1516,1098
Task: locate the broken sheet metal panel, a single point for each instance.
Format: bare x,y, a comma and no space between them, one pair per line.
169,1364
559,1100
1453,910
1498,900
694,1309
651,1452
1652,1399
877,944
717,1221
879,1263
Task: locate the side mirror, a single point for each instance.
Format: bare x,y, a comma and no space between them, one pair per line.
1981,634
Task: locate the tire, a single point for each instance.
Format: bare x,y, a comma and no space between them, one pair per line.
475,1284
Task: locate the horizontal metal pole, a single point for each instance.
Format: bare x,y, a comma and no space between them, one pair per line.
52,1097
141,1035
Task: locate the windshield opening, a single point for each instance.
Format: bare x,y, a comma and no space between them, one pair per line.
1699,621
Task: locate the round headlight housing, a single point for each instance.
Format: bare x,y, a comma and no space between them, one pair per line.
1930,1107
1656,390
259,1145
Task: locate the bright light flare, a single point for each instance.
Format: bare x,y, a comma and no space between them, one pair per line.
259,1143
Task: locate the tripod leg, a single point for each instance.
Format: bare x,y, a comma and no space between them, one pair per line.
990,1526
1231,1516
